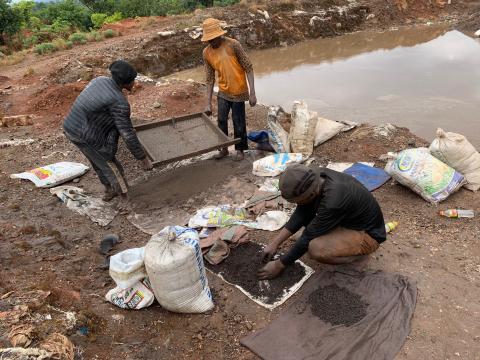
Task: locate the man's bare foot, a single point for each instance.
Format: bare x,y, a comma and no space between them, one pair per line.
221,154
239,156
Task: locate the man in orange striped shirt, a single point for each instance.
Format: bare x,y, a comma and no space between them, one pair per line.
227,57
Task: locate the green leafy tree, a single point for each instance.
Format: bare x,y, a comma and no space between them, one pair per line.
101,6
98,19
25,9
10,20
67,10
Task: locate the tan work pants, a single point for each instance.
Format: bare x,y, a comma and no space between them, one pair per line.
342,246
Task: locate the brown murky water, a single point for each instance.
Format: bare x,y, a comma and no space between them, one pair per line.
420,78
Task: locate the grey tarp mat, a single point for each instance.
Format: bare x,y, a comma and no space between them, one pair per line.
298,334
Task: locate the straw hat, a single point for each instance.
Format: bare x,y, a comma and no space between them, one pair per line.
212,29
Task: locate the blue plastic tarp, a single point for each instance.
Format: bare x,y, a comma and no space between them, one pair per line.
371,177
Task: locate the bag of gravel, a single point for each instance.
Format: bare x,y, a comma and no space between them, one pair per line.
455,150
420,171
174,264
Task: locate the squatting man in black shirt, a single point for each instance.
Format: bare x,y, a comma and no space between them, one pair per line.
343,221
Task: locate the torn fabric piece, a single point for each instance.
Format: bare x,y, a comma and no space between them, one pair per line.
97,210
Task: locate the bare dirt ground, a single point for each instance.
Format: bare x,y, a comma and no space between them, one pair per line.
49,255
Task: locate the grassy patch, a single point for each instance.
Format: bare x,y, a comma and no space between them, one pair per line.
13,59
78,38
45,48
109,33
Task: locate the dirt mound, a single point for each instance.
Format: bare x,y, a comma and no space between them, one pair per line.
58,98
128,26
4,79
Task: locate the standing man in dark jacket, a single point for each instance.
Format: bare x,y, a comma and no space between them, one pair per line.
343,221
98,117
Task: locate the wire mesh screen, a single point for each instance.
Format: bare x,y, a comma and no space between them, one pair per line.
177,138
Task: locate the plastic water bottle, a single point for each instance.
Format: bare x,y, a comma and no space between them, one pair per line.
457,213
390,226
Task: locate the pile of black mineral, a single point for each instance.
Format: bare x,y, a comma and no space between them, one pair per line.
337,305
241,266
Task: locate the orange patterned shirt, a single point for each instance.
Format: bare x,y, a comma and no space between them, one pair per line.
231,63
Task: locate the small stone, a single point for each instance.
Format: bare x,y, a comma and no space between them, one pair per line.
237,318
229,332
76,181
339,25
118,317
157,105
249,326
200,337
417,246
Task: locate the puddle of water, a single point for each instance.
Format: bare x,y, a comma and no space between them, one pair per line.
420,78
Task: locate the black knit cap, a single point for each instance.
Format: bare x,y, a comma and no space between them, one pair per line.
122,72
299,183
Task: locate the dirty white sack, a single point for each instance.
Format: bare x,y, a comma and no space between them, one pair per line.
302,130
138,296
327,129
97,210
277,134
53,174
128,267
218,216
456,151
423,173
274,165
174,264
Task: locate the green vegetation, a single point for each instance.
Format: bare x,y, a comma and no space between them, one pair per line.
109,33
78,38
60,24
45,48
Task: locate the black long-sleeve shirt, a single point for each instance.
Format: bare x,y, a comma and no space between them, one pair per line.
344,202
99,115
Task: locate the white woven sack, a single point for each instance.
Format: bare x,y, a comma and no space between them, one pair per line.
127,267
455,150
278,135
302,131
137,297
53,174
423,173
326,129
174,264
274,165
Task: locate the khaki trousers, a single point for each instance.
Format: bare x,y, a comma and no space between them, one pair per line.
342,246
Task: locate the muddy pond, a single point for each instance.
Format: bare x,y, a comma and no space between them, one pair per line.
421,78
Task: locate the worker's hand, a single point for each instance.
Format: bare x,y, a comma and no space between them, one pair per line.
271,270
147,164
208,109
269,252
253,99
